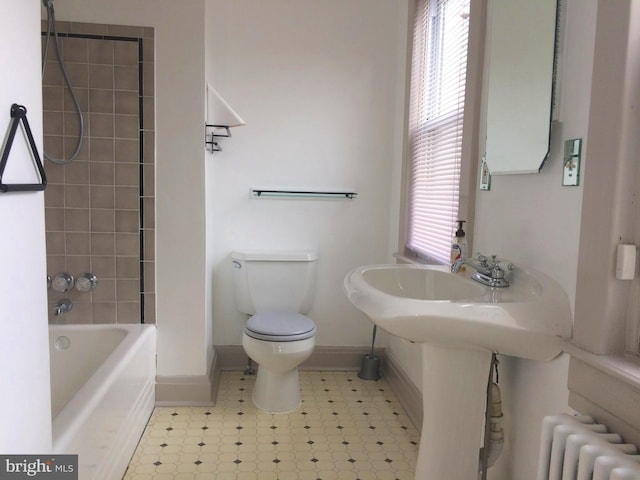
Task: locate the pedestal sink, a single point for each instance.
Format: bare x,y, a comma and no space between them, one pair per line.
460,324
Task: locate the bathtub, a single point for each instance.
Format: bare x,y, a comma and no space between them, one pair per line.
102,393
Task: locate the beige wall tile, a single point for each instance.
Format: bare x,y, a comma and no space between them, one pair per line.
105,290
54,195
54,219
103,266
71,144
102,173
78,74
149,180
101,125
76,264
102,220
82,95
101,101
101,76
127,174
52,123
75,50
127,267
128,290
127,126
127,198
55,264
127,244
125,53
127,150
104,312
53,146
102,196
126,103
77,243
127,221
101,149
125,31
126,78
100,51
52,98
55,243
52,75
84,208
128,312
76,219
150,308
76,196
103,244
149,276
76,173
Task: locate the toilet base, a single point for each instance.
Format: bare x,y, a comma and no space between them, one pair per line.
276,392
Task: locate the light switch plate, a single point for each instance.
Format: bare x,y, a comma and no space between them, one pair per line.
572,160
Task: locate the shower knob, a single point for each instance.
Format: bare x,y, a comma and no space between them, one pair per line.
86,282
62,282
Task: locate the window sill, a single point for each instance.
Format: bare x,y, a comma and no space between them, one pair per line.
624,368
606,387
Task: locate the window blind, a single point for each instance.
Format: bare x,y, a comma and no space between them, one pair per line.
438,78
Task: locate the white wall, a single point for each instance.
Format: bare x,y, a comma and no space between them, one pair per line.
25,410
533,220
184,328
317,83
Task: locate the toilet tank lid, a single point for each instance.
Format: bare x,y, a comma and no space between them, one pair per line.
285,256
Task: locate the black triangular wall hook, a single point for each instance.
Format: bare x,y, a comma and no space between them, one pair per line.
19,114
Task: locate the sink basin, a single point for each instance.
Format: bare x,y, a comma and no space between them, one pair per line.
430,304
460,324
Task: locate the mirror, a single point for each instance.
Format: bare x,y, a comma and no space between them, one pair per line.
521,39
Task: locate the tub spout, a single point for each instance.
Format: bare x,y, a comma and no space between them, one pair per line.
62,307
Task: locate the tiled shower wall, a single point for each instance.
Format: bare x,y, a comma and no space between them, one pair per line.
100,206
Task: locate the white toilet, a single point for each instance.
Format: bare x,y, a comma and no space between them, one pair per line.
276,289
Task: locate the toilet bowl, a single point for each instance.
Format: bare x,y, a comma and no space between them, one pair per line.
278,342
276,289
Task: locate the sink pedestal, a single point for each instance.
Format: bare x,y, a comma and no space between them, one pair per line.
454,392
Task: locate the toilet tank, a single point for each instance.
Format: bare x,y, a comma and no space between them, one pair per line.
274,280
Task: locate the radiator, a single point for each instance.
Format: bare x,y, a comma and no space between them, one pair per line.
577,448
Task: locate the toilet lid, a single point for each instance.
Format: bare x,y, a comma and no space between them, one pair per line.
280,326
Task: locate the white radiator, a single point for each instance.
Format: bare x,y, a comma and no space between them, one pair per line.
577,448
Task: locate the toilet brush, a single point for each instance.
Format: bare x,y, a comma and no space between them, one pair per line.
370,368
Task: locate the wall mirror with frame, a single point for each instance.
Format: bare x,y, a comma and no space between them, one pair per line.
520,58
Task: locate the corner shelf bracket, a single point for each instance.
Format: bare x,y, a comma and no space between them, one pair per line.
211,132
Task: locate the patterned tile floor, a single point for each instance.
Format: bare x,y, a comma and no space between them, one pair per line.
346,429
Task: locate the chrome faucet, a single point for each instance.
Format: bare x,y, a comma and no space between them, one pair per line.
63,306
489,274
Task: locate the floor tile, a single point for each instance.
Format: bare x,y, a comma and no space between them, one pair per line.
346,429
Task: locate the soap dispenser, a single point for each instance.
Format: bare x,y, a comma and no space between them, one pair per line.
459,245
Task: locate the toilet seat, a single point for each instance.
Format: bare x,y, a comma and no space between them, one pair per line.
280,326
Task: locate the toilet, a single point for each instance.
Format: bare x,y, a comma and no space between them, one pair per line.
276,289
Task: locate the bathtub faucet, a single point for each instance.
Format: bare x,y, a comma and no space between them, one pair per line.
63,306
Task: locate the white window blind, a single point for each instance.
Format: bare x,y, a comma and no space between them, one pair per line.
436,111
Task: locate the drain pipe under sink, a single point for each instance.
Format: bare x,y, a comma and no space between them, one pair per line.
494,433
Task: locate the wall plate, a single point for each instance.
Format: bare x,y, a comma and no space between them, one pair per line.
571,166
485,175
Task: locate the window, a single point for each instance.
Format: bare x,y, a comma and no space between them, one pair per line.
436,114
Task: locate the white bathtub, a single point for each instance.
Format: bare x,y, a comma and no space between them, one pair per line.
102,393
